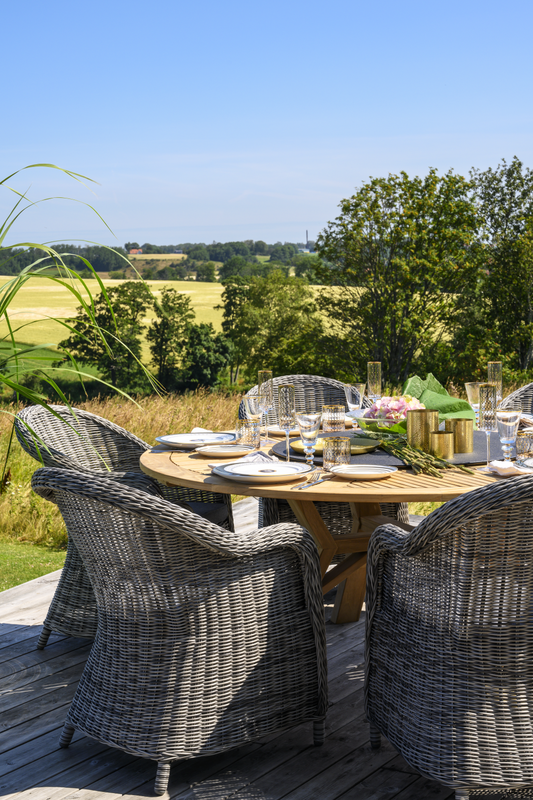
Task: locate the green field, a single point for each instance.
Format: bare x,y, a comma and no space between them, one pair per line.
40,299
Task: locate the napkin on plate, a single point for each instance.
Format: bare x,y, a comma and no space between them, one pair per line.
255,456
508,470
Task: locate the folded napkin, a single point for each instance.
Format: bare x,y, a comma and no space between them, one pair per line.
507,470
257,455
433,395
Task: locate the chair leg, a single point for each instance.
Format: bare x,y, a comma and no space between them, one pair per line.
161,778
375,737
43,638
66,735
319,732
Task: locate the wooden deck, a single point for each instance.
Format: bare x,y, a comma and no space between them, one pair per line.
37,686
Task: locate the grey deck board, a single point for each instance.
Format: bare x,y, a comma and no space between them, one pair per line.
36,688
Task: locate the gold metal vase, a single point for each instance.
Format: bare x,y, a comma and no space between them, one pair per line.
420,423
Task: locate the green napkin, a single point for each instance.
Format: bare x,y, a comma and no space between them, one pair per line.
433,395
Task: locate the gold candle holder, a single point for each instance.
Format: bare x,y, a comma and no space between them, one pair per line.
441,444
420,421
463,434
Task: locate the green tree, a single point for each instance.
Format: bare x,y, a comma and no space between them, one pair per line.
205,271
234,298
131,246
260,248
205,355
167,335
101,347
283,252
403,250
198,252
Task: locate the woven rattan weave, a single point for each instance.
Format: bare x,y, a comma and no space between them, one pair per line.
206,638
449,659
524,396
312,391
94,445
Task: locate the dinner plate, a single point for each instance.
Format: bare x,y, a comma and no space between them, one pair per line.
363,472
262,471
359,445
275,430
190,441
225,450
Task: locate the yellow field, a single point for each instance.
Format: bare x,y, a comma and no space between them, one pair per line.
40,299
158,257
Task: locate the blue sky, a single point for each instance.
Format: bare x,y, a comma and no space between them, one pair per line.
219,121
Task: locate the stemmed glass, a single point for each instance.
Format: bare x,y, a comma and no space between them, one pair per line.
286,411
487,414
354,398
508,422
309,424
253,404
374,380
265,389
472,392
494,376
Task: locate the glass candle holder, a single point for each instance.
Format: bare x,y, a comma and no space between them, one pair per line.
374,379
248,432
487,413
524,448
463,434
420,422
333,418
286,411
337,450
441,444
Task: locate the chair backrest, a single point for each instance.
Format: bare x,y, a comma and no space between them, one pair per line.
311,391
523,396
77,439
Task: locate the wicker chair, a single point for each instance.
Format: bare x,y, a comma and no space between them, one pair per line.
524,396
312,390
206,639
92,445
449,639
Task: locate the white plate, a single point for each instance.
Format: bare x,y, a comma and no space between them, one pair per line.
275,430
190,441
225,450
363,472
261,471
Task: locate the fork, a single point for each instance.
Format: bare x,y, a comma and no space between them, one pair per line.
311,477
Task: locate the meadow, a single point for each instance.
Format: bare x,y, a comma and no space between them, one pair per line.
39,300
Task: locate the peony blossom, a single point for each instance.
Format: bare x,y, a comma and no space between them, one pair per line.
393,408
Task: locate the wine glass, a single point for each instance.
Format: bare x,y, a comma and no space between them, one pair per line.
265,389
354,393
286,411
374,380
253,404
309,424
487,414
494,376
508,422
472,392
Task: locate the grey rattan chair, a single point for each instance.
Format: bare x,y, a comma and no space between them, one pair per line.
449,659
315,391
94,445
206,639
524,396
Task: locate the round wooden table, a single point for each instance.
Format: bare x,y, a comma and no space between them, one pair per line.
174,468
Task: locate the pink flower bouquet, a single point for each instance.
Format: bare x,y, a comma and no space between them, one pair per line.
389,413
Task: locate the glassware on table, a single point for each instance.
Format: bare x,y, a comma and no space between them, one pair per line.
494,376
333,418
309,424
286,411
524,448
354,393
487,414
507,422
337,450
248,431
265,388
472,392
374,380
253,404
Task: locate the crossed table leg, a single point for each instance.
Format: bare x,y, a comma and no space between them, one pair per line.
350,573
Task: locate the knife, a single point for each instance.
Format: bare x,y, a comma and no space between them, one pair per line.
314,483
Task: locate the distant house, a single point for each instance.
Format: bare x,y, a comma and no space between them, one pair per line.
179,252
303,250
138,252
